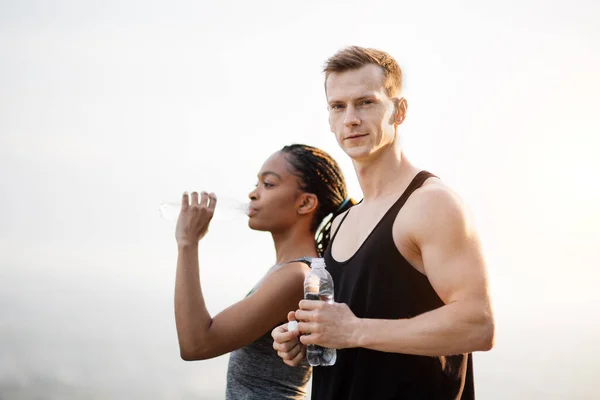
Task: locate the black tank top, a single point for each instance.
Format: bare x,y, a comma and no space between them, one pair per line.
378,282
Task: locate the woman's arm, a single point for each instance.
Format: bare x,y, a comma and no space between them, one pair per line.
202,337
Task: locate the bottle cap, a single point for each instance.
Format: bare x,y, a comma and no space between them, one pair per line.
292,326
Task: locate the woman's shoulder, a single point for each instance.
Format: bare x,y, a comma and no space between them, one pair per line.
292,271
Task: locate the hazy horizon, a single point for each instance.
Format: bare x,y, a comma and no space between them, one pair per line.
109,108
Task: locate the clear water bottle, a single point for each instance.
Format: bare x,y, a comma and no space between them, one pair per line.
228,208
318,285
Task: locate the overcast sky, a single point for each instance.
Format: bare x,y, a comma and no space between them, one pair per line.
109,108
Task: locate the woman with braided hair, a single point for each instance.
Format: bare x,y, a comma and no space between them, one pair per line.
300,190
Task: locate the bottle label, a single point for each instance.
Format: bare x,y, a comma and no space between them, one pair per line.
312,296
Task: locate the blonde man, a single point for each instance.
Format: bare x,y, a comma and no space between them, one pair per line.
411,299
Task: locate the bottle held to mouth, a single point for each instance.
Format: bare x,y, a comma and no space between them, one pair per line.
228,208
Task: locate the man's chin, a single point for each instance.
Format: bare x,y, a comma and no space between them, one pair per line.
358,153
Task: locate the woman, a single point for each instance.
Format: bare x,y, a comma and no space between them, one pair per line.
299,189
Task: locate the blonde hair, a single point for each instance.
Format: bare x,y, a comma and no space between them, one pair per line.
355,57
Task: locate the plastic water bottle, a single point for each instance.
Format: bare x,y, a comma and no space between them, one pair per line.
318,285
227,208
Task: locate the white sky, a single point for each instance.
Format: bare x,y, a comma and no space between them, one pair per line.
109,108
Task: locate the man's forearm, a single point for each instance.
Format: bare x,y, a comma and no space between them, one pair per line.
191,315
455,328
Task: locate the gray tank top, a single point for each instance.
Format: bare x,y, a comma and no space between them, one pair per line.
256,372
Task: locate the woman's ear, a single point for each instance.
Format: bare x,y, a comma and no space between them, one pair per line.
307,203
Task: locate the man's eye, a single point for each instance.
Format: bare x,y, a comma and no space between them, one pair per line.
367,102
267,184
336,106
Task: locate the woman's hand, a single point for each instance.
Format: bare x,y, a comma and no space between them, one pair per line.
194,218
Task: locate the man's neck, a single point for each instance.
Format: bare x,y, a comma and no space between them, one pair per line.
385,174
293,244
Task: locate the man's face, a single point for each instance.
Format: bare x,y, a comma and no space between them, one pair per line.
361,114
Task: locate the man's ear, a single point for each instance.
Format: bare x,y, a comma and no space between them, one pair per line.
307,203
401,109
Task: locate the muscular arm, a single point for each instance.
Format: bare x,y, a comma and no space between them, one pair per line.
453,262
202,336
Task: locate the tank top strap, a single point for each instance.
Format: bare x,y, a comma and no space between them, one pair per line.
306,260
339,226
415,184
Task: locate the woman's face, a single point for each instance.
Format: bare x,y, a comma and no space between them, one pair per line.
275,200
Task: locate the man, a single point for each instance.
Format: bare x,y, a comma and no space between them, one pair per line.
411,291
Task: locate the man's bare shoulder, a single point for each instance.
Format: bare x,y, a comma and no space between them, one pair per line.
434,204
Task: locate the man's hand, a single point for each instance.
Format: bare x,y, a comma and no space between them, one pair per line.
330,325
194,218
286,343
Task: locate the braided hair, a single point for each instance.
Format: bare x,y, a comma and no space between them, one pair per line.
320,174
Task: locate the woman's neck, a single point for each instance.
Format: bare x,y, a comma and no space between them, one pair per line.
293,244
